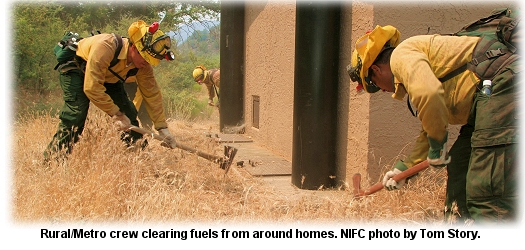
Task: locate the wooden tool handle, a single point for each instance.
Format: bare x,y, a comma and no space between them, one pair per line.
178,144
378,186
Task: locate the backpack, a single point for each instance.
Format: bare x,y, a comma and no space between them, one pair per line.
500,36
66,51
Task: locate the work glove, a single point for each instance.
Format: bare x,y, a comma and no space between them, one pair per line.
168,140
122,121
210,102
437,153
389,183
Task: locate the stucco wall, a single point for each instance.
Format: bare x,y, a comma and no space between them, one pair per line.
378,129
269,74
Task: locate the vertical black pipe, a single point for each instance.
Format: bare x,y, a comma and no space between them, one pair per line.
232,66
314,154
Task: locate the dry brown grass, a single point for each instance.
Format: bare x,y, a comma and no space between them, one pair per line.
101,181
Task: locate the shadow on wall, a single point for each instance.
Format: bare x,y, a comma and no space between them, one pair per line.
393,130
254,9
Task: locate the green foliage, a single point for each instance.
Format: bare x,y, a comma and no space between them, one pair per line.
176,79
38,26
185,105
97,15
29,102
35,34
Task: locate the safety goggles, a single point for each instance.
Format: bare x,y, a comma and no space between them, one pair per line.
199,78
355,72
158,46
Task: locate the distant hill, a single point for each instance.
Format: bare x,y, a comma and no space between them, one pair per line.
186,30
200,42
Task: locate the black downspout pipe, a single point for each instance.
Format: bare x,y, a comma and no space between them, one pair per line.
232,67
316,85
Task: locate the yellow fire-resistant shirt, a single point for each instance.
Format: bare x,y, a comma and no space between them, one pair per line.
214,78
98,51
417,63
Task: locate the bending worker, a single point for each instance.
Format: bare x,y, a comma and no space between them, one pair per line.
103,86
481,165
211,78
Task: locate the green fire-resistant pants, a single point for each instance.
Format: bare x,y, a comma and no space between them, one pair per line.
488,174
492,178
456,200
74,112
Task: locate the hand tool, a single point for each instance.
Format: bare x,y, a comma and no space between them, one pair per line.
224,162
356,180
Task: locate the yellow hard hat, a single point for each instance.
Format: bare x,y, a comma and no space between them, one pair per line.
152,44
200,73
367,48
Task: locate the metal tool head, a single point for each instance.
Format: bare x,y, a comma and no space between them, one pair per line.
226,161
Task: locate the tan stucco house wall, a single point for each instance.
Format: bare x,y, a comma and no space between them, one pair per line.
380,129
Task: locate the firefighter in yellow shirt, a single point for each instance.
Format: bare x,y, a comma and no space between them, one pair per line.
481,165
94,81
211,78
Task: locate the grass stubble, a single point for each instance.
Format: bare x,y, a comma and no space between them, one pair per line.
103,182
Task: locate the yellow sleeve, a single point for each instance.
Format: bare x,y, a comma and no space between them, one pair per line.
418,62
137,101
217,78
98,53
425,90
152,96
420,151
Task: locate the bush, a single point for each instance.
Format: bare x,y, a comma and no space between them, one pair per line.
184,105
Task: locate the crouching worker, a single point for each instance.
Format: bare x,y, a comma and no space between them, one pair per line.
482,163
100,68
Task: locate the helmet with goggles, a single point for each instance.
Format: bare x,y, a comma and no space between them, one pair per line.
152,44
367,48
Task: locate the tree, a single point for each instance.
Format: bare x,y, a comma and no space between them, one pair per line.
171,13
35,31
38,27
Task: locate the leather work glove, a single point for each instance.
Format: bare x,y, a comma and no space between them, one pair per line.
437,153
168,139
389,183
122,121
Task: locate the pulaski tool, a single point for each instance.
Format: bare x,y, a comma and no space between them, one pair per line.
224,162
356,180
